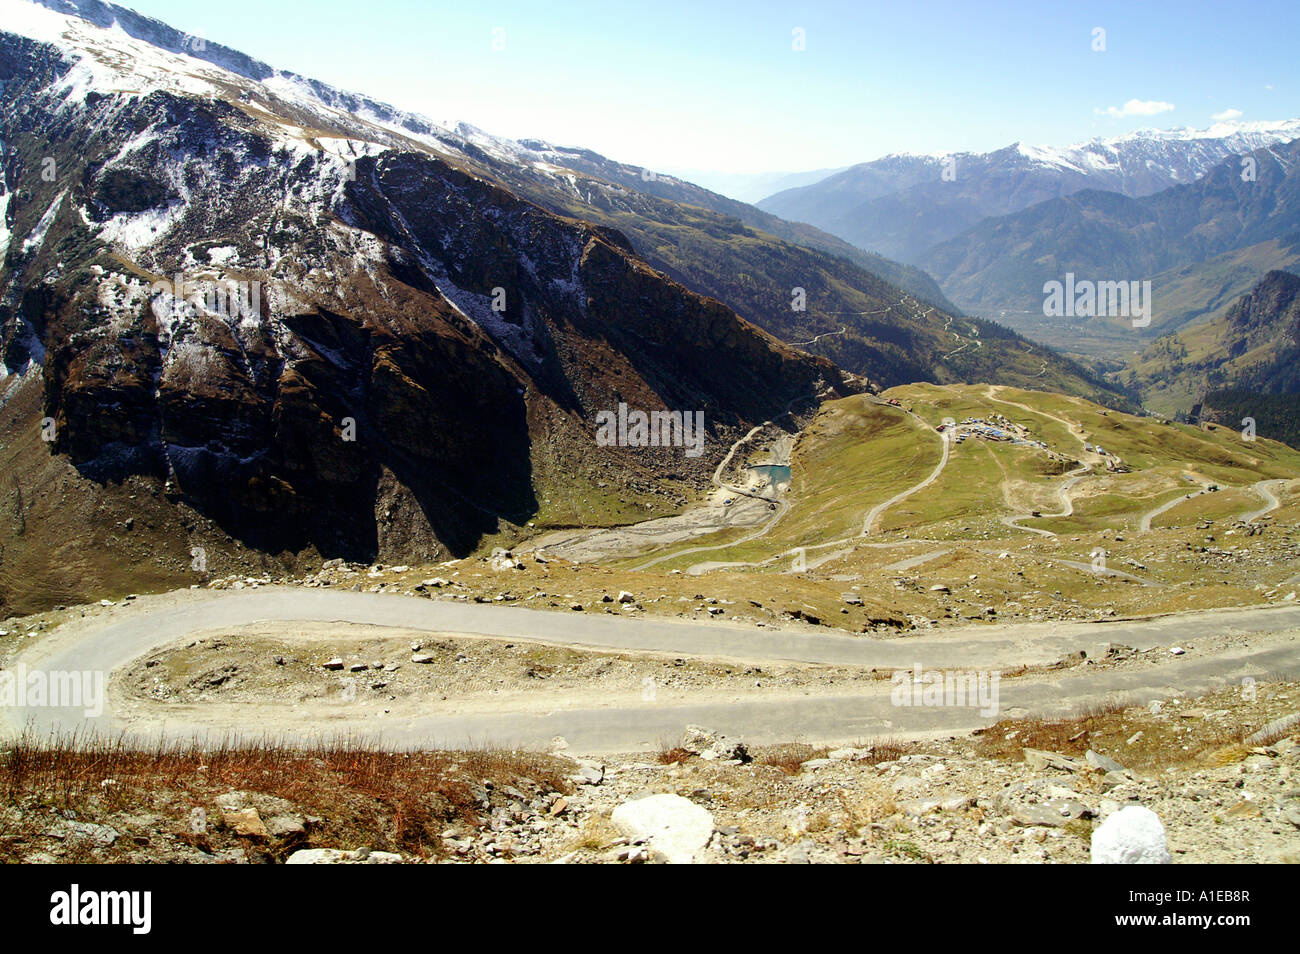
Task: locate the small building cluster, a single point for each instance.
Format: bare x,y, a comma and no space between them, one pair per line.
994,428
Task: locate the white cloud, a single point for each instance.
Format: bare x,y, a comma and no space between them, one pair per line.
1136,107
1227,114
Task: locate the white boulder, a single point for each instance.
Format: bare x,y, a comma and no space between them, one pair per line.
673,826
1130,836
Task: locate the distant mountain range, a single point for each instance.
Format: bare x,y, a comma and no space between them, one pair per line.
1202,215
1003,262
538,154
902,205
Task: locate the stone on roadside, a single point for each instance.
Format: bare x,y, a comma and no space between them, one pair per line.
1049,814
589,772
674,826
1131,836
713,746
1038,759
848,754
286,827
1275,728
99,836
245,822
1113,780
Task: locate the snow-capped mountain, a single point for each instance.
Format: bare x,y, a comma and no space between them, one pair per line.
112,49
1144,162
903,204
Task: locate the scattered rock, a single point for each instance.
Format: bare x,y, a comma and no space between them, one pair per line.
1274,729
1102,763
1053,814
245,822
286,827
1038,759
99,836
335,856
589,772
849,754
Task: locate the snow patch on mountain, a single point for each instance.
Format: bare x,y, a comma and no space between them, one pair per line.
136,230
36,239
5,233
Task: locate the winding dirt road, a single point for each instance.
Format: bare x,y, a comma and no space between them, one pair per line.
874,513
1268,489
111,641
1067,504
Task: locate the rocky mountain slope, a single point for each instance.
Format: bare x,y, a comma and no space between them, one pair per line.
846,311
867,324
901,205
387,356
1252,349
639,179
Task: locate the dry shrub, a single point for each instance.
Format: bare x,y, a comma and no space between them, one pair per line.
365,794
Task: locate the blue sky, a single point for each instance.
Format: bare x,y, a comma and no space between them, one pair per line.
717,86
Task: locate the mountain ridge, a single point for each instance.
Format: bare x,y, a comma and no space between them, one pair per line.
853,316
902,205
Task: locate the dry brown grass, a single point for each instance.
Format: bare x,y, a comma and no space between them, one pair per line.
788,758
596,834
362,794
1165,741
1069,736
671,754
887,750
